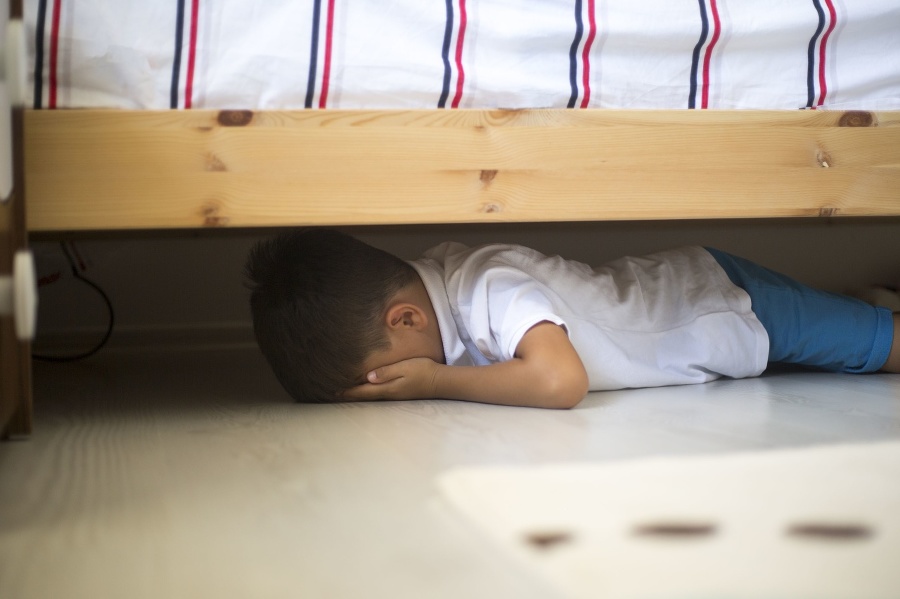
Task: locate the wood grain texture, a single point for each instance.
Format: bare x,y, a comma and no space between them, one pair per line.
97,170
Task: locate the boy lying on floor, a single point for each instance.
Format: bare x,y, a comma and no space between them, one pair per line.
339,320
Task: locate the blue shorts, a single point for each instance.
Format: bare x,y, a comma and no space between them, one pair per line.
811,327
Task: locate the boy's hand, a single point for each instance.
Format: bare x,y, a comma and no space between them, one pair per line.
409,379
546,372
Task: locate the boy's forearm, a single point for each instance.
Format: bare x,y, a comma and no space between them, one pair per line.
546,372
508,383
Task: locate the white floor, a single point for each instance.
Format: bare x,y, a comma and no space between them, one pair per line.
190,474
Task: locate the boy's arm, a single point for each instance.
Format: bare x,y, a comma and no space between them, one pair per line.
546,372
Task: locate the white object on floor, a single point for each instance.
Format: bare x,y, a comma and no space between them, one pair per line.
817,522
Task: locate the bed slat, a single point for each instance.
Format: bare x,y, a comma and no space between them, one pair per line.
111,170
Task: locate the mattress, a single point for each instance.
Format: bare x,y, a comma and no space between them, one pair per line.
405,54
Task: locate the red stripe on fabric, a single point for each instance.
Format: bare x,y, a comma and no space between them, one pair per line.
54,53
586,56
326,68
192,56
823,88
709,51
460,39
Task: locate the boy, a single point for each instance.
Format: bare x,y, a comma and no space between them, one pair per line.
339,320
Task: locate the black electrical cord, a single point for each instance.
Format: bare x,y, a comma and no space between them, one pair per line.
109,328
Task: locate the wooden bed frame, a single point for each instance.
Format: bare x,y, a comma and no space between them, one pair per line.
97,170
110,170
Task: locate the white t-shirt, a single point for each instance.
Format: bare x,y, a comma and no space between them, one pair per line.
669,318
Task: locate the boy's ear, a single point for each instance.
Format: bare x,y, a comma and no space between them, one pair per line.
405,316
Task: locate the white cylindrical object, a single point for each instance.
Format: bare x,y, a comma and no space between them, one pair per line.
13,82
18,295
16,62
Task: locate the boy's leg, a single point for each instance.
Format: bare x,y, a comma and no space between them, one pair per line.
812,327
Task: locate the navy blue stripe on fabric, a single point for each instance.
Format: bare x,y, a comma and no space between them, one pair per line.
313,55
573,56
176,60
39,54
445,55
695,59
811,58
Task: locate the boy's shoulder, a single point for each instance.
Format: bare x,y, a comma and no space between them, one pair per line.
457,252
444,250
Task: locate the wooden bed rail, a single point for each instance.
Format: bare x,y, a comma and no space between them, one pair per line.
113,170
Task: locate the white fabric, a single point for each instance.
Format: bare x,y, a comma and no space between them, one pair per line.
749,502
666,319
477,53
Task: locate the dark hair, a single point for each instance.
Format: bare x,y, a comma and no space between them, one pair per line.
318,297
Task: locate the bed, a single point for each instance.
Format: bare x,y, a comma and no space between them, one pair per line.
194,113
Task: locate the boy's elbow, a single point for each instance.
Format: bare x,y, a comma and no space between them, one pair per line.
566,390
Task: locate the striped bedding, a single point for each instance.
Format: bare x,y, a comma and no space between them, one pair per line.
287,54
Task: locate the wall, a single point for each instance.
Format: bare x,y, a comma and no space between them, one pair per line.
185,288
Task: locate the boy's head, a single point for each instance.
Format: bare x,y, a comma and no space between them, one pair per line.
318,299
